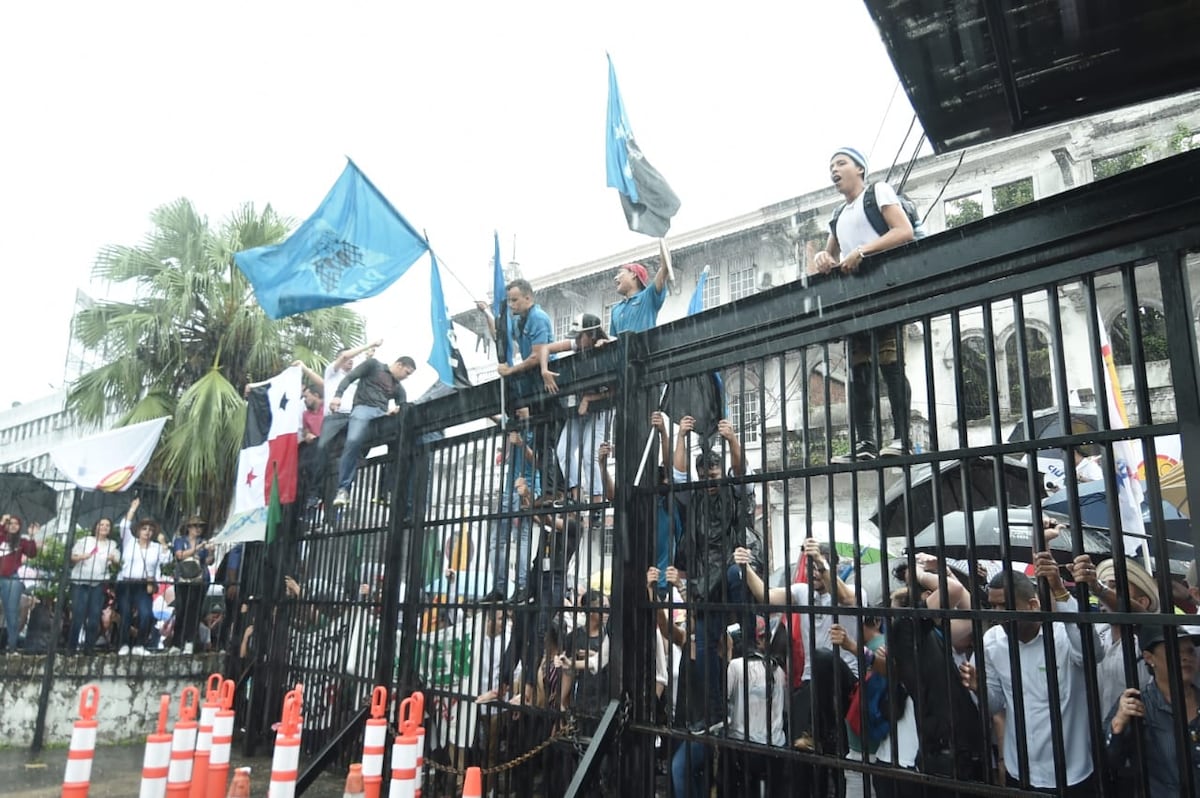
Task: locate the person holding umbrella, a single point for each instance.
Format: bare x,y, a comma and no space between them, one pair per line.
14,548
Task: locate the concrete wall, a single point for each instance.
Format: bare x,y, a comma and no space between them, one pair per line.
130,690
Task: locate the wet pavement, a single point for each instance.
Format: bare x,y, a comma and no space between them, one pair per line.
117,773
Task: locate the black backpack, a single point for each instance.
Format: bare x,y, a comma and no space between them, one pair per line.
875,216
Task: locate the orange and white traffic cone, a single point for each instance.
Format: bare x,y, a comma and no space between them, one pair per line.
374,740
204,735
354,782
240,788
183,744
473,786
222,741
78,775
412,714
157,760
286,762
404,767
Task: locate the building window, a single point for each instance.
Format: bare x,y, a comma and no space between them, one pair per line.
608,307
1153,328
974,365
1012,195
963,210
1041,388
741,282
1111,165
712,291
743,413
562,325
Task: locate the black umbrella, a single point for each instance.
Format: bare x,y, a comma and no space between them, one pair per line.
989,540
1046,424
1094,510
26,496
981,485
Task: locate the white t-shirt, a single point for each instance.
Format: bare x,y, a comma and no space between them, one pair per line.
803,596
746,689
333,378
95,567
853,229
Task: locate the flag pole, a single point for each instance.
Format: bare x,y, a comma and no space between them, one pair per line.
665,254
650,438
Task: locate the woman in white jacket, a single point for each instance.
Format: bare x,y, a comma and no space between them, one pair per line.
91,558
142,558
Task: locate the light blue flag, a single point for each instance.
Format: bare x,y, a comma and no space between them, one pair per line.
500,308
444,357
620,175
353,247
648,201
696,305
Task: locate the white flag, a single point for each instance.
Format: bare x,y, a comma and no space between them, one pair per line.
112,460
1128,454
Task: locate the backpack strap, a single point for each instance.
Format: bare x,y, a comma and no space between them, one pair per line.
871,209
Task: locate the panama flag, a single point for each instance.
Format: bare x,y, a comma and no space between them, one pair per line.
112,460
273,417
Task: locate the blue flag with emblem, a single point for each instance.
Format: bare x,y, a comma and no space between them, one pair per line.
444,357
648,202
500,307
353,247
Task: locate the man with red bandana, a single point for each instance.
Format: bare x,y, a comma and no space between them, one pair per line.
641,299
14,548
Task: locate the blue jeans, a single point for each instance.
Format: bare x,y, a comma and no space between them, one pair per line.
10,596
500,543
87,600
133,596
356,434
691,770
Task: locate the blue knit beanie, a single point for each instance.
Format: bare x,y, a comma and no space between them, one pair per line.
853,155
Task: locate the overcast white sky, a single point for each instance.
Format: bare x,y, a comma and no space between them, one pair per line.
469,116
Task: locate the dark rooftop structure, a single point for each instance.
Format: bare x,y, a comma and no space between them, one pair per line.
979,70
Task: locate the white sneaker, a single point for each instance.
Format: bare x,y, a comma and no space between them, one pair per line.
894,449
123,651
140,651
188,648
342,498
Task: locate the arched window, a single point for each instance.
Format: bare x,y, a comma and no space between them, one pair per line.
1041,387
973,362
1153,326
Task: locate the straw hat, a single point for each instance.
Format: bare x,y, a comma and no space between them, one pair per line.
1139,577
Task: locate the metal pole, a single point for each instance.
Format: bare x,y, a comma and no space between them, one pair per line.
64,581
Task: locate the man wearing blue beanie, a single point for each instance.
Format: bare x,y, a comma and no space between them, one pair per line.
870,221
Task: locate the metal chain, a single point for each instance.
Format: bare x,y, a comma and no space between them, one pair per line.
565,732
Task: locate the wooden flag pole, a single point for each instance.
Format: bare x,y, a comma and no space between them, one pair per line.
665,254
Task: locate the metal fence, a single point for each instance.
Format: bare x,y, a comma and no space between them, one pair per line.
508,572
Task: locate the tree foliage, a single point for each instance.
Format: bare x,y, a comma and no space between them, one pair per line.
184,339
963,211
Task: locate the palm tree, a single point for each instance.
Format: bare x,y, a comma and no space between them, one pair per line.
189,340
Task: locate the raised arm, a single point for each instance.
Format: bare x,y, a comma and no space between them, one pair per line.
664,266
314,378
346,355
758,589
737,460
686,424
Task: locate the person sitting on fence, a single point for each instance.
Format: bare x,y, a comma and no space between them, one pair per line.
1041,721
532,328
92,558
142,558
871,220
14,548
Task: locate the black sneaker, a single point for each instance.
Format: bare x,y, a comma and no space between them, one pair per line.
863,452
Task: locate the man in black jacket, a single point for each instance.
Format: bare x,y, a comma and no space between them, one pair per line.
378,385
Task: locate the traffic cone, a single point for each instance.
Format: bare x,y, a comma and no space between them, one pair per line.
412,713
78,775
473,786
222,741
204,735
374,740
354,783
286,762
404,767
183,744
157,760
240,788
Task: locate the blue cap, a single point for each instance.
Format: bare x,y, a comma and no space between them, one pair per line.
853,155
